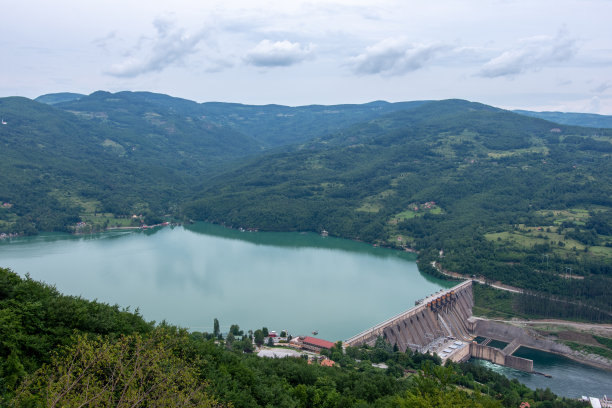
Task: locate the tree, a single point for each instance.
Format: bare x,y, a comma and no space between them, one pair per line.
265,331
235,330
270,342
229,339
131,371
216,331
259,337
247,345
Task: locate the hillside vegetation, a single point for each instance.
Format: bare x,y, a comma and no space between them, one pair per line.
106,159
483,191
487,192
102,158
569,118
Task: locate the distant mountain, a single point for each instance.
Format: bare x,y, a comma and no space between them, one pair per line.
494,189
52,99
270,125
576,119
277,125
160,128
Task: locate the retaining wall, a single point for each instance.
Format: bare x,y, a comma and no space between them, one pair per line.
517,335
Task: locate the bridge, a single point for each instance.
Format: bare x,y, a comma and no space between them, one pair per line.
434,319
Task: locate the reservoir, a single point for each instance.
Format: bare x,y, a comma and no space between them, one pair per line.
300,282
191,275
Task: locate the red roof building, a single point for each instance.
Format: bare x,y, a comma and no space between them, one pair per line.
314,344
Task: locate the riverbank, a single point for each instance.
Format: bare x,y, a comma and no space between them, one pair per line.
561,332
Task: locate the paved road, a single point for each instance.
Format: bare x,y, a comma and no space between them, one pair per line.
496,285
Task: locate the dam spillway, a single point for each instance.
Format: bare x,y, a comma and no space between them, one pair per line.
439,316
443,324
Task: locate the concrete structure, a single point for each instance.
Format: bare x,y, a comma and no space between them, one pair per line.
500,357
434,319
443,323
517,336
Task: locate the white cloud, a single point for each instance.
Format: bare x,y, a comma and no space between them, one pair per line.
396,56
170,47
602,87
531,54
278,54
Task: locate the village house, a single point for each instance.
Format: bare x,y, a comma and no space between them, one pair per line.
316,345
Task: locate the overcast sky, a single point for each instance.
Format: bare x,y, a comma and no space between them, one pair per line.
532,54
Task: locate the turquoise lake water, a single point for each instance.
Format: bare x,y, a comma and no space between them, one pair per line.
299,282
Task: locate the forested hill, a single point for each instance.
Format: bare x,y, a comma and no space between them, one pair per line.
502,195
114,157
104,157
277,125
270,125
52,99
571,118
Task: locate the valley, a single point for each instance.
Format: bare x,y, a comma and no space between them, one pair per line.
473,190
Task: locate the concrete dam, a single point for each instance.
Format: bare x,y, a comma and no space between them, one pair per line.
439,316
442,323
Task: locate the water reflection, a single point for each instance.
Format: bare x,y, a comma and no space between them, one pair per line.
189,276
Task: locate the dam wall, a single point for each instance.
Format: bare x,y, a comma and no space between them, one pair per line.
441,315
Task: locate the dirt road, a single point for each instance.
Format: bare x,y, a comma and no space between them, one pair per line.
602,329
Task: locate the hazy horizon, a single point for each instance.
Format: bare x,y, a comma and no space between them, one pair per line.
542,56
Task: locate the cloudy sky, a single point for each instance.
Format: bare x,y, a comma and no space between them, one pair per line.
532,54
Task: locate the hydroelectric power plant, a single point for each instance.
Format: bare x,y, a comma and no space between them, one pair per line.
443,323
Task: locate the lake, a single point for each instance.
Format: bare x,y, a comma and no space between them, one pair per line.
190,275
295,281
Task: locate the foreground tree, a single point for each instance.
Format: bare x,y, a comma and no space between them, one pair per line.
131,371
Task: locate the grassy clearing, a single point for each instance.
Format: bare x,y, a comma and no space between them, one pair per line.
102,221
68,199
373,203
601,351
526,239
369,207
535,149
604,341
494,303
405,215
601,251
416,210
578,216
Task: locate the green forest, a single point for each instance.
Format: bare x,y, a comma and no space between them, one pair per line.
61,350
482,191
